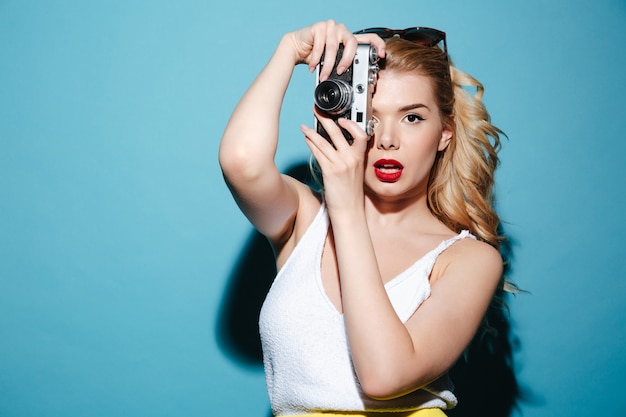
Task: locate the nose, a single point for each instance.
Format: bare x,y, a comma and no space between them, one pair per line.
384,137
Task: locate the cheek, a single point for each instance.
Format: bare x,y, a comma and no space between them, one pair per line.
423,158
426,148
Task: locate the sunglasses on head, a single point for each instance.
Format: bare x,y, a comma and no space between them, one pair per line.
420,35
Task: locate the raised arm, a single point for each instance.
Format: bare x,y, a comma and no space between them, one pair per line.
269,199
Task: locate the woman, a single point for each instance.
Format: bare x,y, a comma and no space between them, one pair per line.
384,276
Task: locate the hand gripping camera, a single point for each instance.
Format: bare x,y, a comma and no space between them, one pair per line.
349,95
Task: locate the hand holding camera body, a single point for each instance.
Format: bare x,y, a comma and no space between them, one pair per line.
349,95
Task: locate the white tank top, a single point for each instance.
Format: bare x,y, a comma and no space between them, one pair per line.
305,348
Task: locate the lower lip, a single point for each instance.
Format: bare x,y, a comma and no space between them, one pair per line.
388,176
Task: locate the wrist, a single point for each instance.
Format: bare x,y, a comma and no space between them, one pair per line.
287,49
346,215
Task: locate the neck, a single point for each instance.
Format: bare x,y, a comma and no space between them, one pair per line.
397,211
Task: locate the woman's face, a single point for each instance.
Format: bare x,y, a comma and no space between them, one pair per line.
408,133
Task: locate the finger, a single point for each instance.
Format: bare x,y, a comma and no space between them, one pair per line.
321,149
374,40
349,50
332,129
349,42
359,136
318,39
332,41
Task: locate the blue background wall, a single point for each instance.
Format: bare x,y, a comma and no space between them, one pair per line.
118,236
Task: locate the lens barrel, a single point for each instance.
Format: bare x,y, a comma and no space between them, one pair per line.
333,96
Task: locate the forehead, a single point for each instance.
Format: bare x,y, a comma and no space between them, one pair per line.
400,88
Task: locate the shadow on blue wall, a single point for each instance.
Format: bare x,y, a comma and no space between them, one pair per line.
484,377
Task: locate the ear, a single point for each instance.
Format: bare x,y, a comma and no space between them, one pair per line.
446,138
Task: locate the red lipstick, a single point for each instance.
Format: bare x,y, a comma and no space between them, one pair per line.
388,170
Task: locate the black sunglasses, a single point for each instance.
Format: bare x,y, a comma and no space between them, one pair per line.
421,35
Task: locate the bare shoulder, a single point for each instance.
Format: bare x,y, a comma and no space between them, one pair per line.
470,258
474,250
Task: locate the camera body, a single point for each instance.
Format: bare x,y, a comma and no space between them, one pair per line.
349,95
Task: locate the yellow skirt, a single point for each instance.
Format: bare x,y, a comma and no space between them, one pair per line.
424,412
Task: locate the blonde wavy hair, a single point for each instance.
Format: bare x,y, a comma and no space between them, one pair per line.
461,184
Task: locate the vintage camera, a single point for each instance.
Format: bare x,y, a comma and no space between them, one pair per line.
349,95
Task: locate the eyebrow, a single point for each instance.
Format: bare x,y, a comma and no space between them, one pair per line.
414,106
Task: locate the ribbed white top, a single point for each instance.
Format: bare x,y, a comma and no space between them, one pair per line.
305,349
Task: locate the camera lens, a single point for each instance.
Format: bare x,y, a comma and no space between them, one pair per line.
333,96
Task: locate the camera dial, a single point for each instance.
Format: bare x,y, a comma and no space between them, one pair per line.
373,56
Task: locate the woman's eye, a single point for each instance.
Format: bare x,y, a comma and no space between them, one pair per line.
414,118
